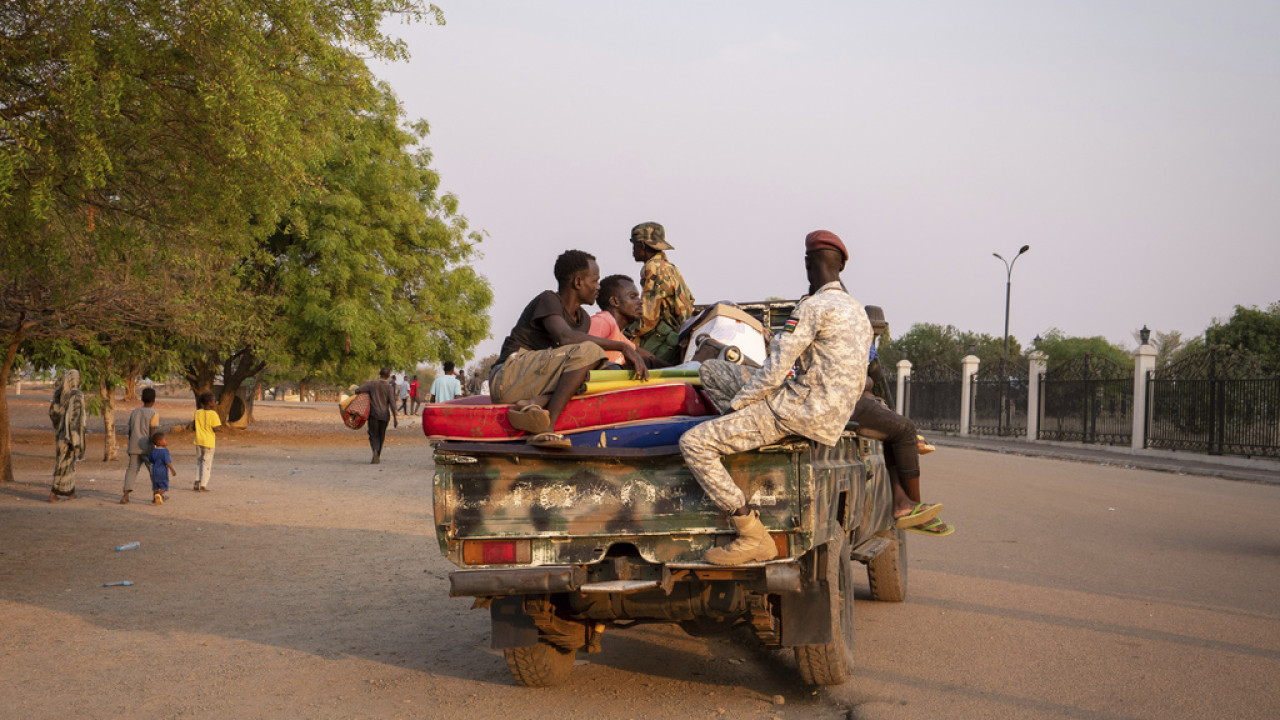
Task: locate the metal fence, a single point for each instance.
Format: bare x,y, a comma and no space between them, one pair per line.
1088,399
1216,401
933,397
998,399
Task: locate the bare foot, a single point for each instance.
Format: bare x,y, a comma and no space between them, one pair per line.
124,499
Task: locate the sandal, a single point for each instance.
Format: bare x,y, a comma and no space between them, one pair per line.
529,418
550,440
937,528
919,515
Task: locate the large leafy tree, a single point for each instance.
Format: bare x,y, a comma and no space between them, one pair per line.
1062,348
367,268
146,139
946,344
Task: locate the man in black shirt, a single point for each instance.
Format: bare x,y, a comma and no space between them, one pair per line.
382,407
549,352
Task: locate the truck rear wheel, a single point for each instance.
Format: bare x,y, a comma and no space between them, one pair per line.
831,663
540,665
887,573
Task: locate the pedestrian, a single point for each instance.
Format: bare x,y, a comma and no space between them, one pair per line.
382,409
413,395
549,353
447,386
402,390
665,300
143,422
464,388
67,413
808,385
207,423
161,468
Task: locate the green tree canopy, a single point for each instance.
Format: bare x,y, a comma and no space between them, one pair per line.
1062,348
928,342
1250,330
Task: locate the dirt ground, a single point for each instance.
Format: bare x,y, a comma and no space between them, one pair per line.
307,583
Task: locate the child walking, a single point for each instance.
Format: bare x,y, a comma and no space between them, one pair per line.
142,423
207,422
161,468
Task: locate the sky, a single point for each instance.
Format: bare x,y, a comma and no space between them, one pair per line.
1133,145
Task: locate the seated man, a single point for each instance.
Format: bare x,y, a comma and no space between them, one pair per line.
619,301
549,353
901,446
826,340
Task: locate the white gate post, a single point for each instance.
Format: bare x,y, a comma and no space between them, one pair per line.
904,371
970,368
1038,360
1144,360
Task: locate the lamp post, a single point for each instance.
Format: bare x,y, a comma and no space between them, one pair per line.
1008,288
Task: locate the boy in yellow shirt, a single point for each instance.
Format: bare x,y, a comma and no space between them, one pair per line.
207,422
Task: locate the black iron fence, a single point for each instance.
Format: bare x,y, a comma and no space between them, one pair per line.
1215,401
998,399
1088,399
933,397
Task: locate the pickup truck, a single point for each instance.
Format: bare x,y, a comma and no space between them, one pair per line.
562,545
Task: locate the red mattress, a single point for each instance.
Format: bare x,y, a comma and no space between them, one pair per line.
475,418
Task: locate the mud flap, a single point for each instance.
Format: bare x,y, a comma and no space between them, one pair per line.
512,626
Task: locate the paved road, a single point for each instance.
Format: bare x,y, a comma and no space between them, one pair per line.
310,585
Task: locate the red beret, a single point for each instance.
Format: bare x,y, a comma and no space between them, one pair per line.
819,239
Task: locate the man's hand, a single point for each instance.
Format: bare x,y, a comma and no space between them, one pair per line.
633,358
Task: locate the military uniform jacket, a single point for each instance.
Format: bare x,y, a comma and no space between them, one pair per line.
664,296
828,338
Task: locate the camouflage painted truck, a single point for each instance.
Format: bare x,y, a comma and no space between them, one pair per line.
562,545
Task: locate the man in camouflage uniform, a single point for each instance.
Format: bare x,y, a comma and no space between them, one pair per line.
827,340
666,301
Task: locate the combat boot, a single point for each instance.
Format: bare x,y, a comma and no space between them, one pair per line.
753,543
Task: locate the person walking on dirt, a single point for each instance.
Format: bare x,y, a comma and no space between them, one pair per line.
665,300
382,409
67,413
826,342
143,422
207,423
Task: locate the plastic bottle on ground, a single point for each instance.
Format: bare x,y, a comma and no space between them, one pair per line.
128,546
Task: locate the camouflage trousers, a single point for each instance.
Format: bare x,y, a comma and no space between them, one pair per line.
751,427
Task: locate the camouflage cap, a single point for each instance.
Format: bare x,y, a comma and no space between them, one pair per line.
651,234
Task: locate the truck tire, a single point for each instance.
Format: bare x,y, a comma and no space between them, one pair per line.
887,573
540,665
832,663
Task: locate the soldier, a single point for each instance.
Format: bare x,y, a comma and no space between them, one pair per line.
827,339
666,301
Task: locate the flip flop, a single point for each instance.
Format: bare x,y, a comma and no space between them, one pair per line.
937,528
550,440
922,446
529,418
919,515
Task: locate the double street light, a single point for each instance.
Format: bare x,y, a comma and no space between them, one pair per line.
1008,287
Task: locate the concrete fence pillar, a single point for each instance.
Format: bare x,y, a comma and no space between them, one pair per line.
904,372
1144,361
969,368
1035,370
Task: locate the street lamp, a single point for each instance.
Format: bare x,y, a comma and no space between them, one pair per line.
1008,287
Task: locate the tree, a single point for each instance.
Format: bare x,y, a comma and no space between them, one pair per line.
1062,348
927,342
1250,330
144,139
369,268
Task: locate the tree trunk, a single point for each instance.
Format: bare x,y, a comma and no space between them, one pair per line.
131,387
302,389
6,443
255,394
107,391
235,370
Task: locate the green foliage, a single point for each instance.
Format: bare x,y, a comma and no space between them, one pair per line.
927,342
1250,330
1062,348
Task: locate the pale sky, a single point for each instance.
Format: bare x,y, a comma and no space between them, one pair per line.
1134,145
